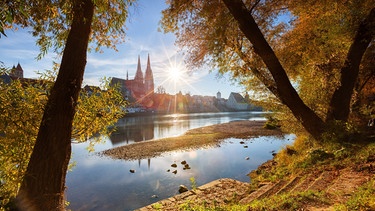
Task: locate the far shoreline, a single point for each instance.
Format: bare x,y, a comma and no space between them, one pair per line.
192,139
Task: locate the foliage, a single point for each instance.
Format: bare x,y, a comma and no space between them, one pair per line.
22,106
311,45
272,123
157,206
193,183
50,21
101,109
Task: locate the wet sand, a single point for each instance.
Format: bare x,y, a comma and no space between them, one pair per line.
192,139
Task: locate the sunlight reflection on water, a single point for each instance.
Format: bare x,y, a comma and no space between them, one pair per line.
101,183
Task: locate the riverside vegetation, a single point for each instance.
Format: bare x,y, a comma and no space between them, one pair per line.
310,175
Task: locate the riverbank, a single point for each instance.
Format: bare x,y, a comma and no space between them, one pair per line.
302,176
192,139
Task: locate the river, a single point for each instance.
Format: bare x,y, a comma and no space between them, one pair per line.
101,183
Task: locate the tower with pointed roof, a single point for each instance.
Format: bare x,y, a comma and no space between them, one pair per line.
149,78
139,74
17,72
142,85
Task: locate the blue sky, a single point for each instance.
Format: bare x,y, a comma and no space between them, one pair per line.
143,38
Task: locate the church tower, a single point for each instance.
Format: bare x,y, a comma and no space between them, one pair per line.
149,78
139,74
17,71
137,84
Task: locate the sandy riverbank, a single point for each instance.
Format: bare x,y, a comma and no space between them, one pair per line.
192,139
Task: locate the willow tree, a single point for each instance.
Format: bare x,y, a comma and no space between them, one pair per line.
302,55
22,105
69,25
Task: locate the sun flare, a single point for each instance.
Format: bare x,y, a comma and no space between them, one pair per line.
175,73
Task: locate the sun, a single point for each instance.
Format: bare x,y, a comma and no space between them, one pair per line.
175,73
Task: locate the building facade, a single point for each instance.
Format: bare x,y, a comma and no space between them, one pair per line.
140,87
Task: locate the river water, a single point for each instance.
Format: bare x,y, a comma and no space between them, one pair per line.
101,183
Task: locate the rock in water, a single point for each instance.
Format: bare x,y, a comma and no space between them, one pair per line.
174,172
186,166
174,165
132,171
183,162
182,189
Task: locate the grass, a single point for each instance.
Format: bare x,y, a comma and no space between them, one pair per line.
289,201
363,199
301,158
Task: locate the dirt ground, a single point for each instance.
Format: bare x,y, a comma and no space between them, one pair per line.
192,139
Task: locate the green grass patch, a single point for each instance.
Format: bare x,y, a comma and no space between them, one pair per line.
363,199
288,201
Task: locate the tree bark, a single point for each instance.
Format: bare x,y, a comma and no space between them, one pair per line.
44,183
287,94
339,107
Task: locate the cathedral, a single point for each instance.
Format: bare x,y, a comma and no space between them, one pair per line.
138,88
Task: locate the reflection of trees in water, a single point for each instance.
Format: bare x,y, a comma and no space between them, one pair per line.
141,128
133,129
148,163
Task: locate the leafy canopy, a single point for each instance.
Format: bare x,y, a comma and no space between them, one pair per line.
50,21
310,38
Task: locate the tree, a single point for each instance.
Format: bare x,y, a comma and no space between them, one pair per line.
69,25
22,106
249,39
160,90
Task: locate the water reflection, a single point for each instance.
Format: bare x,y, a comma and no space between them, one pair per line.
105,184
141,128
100,183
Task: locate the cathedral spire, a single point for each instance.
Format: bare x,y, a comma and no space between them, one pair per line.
139,74
149,78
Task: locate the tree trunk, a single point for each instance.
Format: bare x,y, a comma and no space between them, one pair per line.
44,183
339,107
287,94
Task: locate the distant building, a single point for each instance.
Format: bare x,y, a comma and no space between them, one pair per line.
218,95
16,72
237,102
139,87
